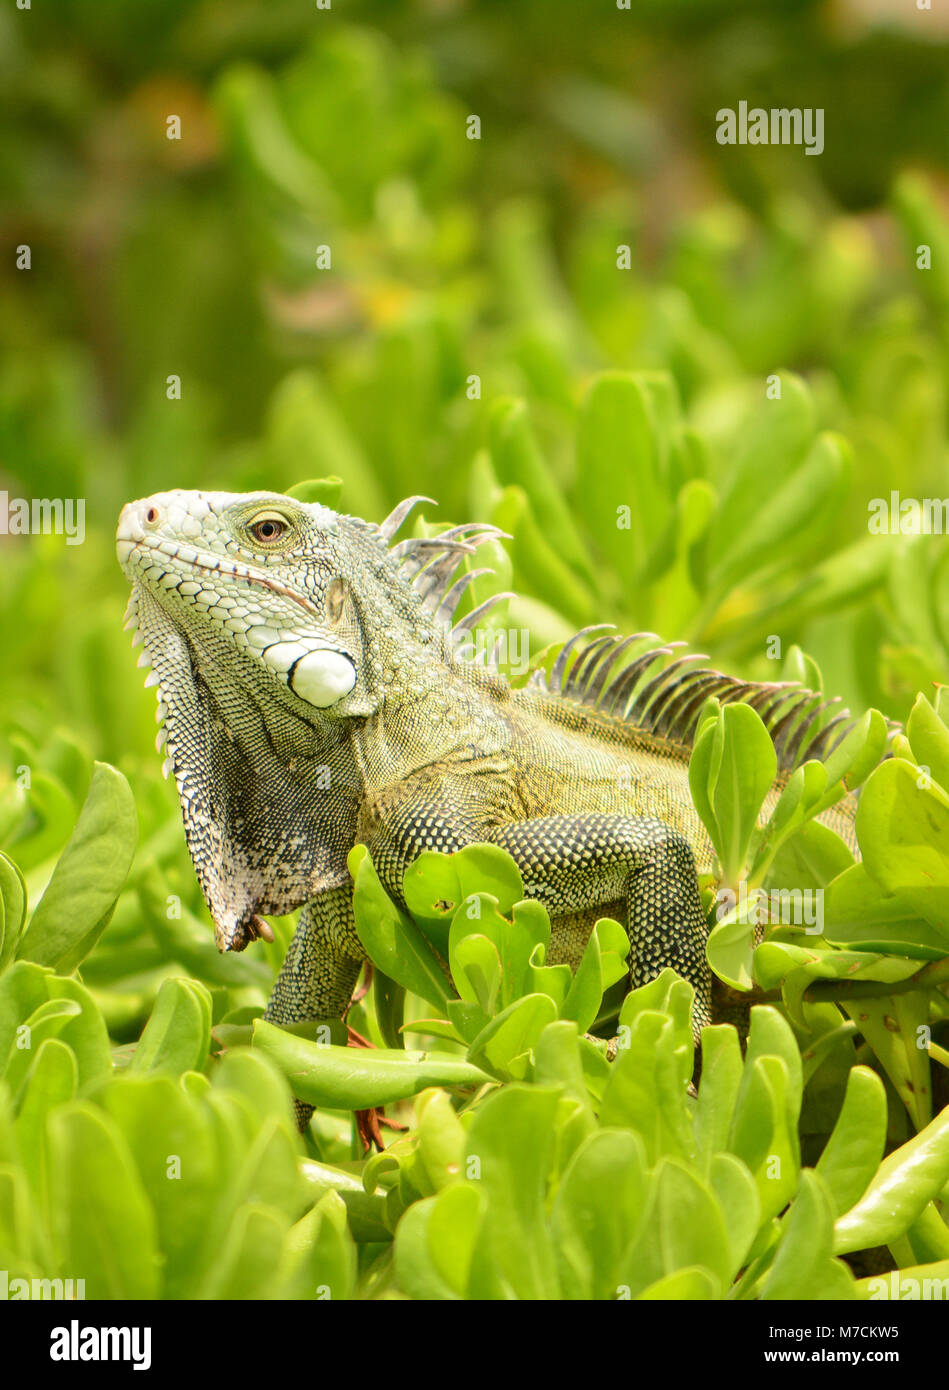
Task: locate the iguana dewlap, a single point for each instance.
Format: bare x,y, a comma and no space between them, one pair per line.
312,697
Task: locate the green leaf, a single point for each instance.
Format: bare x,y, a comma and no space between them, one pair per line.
504,1046
435,1243
859,915
323,491
770,1035
249,1258
666,993
494,960
904,1184
731,772
255,1076
928,1236
737,1195
390,938
364,1210
476,970
12,908
435,884
81,895
24,1244
730,950
85,1032
177,1036
171,1139
646,1090
50,1083
350,1078
929,738
104,1226
510,1144
855,1147
718,1091
45,1022
801,497
599,1207
893,1027
306,430
691,1223
803,1267
389,1000
441,1138
686,1285
811,858
538,565
926,1281
256,1162
518,461
602,964
23,989
618,459
760,1135
52,811
772,444
903,828
856,755
324,1263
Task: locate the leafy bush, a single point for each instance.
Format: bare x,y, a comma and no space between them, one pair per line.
533,1167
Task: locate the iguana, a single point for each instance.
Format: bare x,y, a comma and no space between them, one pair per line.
312,696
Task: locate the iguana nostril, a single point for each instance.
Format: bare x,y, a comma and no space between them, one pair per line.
152,516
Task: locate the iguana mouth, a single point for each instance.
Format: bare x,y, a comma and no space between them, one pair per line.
127,548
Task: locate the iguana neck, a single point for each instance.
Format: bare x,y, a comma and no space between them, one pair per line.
446,712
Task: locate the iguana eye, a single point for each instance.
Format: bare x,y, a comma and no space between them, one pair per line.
268,528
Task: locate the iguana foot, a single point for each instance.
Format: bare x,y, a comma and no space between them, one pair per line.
369,1127
370,1123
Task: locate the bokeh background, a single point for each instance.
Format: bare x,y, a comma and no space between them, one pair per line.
346,128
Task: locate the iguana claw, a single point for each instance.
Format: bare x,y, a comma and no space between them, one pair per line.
370,1123
258,927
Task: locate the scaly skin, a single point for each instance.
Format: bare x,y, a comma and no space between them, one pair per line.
313,698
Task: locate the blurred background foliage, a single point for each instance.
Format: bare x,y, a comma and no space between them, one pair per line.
601,386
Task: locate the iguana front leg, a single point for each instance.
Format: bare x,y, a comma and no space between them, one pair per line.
570,863
321,967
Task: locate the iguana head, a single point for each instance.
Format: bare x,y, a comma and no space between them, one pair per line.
271,625
266,576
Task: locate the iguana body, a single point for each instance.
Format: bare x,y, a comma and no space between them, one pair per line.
312,698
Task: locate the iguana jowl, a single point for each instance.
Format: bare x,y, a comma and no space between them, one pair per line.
312,697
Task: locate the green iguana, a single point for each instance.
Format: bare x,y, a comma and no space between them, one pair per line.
313,697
